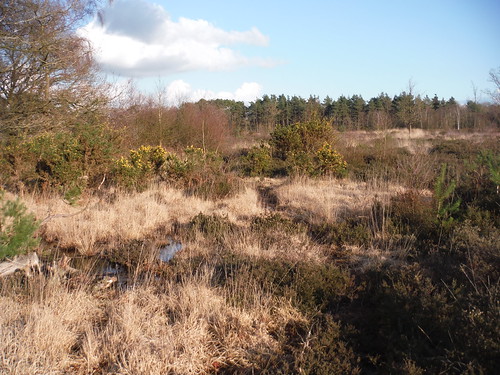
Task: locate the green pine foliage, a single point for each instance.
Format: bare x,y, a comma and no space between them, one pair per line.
17,228
443,196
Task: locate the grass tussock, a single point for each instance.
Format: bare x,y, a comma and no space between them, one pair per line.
330,200
98,224
183,328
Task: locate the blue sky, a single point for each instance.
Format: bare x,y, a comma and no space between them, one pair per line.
240,50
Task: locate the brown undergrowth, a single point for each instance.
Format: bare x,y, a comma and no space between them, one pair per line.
368,274
199,314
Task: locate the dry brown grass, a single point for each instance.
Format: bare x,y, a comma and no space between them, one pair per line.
97,222
328,200
39,332
419,140
182,328
292,247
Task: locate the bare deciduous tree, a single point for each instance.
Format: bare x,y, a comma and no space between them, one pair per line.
495,79
47,73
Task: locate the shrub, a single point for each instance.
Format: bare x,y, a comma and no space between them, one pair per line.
408,318
327,161
443,198
326,351
457,148
311,287
383,161
412,214
208,177
405,317
349,232
305,147
479,183
305,137
319,347
274,223
146,163
64,160
199,172
257,161
212,226
17,228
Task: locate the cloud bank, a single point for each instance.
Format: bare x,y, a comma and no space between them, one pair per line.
135,38
178,92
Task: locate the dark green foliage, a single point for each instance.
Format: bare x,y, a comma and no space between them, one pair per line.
319,290
67,161
212,226
443,199
264,225
206,175
406,316
326,351
257,161
321,347
411,213
17,228
198,172
460,149
349,232
478,185
313,287
307,137
383,160
305,148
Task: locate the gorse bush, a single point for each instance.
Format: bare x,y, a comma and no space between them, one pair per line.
146,163
63,161
305,148
199,172
305,137
327,161
17,228
257,161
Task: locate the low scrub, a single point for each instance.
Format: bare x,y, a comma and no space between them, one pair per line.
303,148
67,162
199,172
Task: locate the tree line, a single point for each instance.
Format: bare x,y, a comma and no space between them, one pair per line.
49,81
404,110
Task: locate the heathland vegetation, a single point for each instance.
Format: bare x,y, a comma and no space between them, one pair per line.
303,237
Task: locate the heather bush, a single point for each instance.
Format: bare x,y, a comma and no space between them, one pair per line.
311,287
208,176
318,347
347,232
211,226
428,318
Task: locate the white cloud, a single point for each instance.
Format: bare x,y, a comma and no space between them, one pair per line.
248,92
178,92
139,39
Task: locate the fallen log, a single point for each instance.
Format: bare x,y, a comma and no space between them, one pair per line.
23,262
